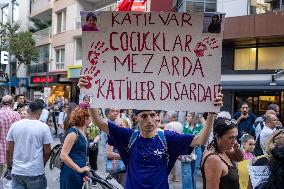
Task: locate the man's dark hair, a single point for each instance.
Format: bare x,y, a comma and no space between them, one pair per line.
243,103
36,105
20,95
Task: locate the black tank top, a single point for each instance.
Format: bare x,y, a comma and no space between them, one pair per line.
229,181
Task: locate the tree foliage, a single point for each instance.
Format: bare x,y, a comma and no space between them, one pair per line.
19,43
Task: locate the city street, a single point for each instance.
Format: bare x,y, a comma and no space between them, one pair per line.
53,175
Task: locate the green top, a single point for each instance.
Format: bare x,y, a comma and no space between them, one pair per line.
195,131
92,131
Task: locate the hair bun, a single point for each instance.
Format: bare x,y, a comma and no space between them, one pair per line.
278,153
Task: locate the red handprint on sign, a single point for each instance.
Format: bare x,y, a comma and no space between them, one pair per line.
89,85
206,44
93,57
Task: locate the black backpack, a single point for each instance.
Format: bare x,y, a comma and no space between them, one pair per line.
258,150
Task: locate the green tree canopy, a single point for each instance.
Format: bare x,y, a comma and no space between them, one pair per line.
19,43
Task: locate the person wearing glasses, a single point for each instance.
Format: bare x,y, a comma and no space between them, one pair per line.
221,155
148,161
271,122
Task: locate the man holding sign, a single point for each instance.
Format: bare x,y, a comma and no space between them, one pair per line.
147,160
149,61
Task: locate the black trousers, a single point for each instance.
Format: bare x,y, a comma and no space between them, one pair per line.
54,119
93,157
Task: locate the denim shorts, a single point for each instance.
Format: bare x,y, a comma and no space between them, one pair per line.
29,182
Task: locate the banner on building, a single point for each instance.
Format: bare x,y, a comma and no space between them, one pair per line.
152,60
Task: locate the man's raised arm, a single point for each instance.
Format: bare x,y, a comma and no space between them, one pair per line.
203,136
94,113
98,120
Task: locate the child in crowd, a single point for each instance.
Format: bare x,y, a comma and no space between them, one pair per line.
91,20
248,145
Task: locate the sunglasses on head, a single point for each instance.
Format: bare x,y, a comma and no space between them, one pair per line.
230,122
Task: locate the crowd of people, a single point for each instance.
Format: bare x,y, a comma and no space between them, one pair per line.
140,148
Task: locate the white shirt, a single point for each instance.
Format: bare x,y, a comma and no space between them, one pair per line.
61,118
29,136
44,115
265,135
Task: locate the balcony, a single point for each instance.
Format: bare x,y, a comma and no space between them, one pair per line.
41,9
43,36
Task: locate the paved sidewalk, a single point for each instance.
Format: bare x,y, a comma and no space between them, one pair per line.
53,175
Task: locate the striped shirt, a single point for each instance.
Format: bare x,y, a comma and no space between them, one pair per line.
7,118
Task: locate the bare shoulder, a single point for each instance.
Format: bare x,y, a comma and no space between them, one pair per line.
212,160
72,136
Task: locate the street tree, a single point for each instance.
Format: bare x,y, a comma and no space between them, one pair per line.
19,43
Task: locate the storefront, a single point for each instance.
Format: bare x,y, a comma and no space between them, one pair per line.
259,93
57,88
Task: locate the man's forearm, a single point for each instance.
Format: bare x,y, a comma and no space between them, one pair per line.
203,136
9,153
9,159
98,120
46,157
205,132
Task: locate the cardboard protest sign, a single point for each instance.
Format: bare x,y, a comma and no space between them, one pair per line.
258,174
151,60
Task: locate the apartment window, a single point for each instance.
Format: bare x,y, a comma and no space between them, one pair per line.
201,5
78,44
259,7
5,11
15,15
61,21
60,57
245,59
271,58
43,53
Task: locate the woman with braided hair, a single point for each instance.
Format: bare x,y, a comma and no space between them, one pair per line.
218,166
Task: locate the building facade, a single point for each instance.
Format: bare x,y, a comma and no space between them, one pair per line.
253,60
14,80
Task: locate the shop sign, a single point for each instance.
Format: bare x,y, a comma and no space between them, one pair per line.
42,79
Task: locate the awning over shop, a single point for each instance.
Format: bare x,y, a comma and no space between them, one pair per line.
251,82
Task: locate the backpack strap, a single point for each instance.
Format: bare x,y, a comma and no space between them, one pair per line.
163,140
132,139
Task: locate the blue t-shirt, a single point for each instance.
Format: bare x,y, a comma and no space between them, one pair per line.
146,163
245,125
